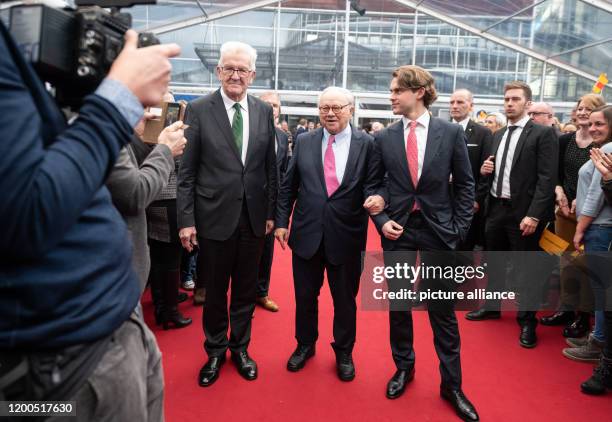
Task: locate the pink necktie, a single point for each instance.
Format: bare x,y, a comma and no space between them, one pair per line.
329,167
412,155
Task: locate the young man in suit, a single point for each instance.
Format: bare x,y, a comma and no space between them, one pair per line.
419,154
478,140
332,172
518,194
282,156
226,198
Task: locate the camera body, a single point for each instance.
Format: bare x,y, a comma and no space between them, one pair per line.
72,50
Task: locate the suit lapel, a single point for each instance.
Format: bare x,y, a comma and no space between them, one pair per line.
497,140
434,134
253,123
469,131
281,148
354,151
220,115
521,142
396,133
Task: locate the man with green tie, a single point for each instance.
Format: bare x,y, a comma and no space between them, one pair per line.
226,196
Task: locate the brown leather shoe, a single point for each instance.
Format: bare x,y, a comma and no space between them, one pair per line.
199,296
267,303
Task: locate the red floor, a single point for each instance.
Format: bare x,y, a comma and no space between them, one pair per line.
503,380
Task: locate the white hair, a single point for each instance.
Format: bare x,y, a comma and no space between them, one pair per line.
234,47
349,96
467,92
500,119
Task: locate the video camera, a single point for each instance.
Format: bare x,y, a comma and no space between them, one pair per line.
70,49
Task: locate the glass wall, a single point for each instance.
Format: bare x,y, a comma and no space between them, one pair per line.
301,44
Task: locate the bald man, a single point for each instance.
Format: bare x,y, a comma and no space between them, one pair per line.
478,140
542,114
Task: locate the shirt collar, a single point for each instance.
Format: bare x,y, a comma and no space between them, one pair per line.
422,120
463,123
521,123
229,103
341,136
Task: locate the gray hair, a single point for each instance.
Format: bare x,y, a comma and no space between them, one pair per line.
500,119
233,47
270,94
467,92
349,96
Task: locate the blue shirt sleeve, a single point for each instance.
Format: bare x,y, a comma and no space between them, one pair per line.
122,98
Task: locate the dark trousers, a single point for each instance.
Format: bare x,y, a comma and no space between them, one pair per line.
218,261
418,236
265,266
503,234
343,283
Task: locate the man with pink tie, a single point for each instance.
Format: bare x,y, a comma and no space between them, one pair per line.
334,172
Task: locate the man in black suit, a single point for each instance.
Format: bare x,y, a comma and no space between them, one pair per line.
478,140
300,128
282,157
227,192
518,194
332,173
419,154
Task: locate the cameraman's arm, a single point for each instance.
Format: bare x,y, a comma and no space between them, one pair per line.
48,181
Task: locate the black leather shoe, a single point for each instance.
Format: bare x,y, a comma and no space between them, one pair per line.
345,366
182,297
397,383
528,338
482,314
558,318
463,407
579,327
246,366
210,371
299,357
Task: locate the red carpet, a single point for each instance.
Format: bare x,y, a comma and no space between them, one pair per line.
503,380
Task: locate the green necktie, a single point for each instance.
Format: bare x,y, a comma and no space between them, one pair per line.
237,127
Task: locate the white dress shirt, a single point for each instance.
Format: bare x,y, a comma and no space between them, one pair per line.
244,110
500,152
341,147
422,128
463,123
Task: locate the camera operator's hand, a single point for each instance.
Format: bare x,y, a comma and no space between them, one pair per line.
174,137
145,71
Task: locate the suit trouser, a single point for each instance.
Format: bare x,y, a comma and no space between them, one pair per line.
343,283
218,261
503,234
265,267
418,236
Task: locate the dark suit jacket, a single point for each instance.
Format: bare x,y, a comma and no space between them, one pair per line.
533,175
282,155
448,214
299,131
340,221
479,139
212,181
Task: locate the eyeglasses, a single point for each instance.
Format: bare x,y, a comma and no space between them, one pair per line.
335,108
229,71
538,113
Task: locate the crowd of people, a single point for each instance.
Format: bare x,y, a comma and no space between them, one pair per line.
93,215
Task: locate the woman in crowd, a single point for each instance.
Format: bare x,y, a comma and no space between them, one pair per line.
495,121
575,293
602,374
594,230
165,249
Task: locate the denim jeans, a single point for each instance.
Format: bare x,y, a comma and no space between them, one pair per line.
598,239
188,265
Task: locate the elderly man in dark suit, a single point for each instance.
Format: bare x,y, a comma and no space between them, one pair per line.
332,174
419,154
518,194
226,200
282,157
478,140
